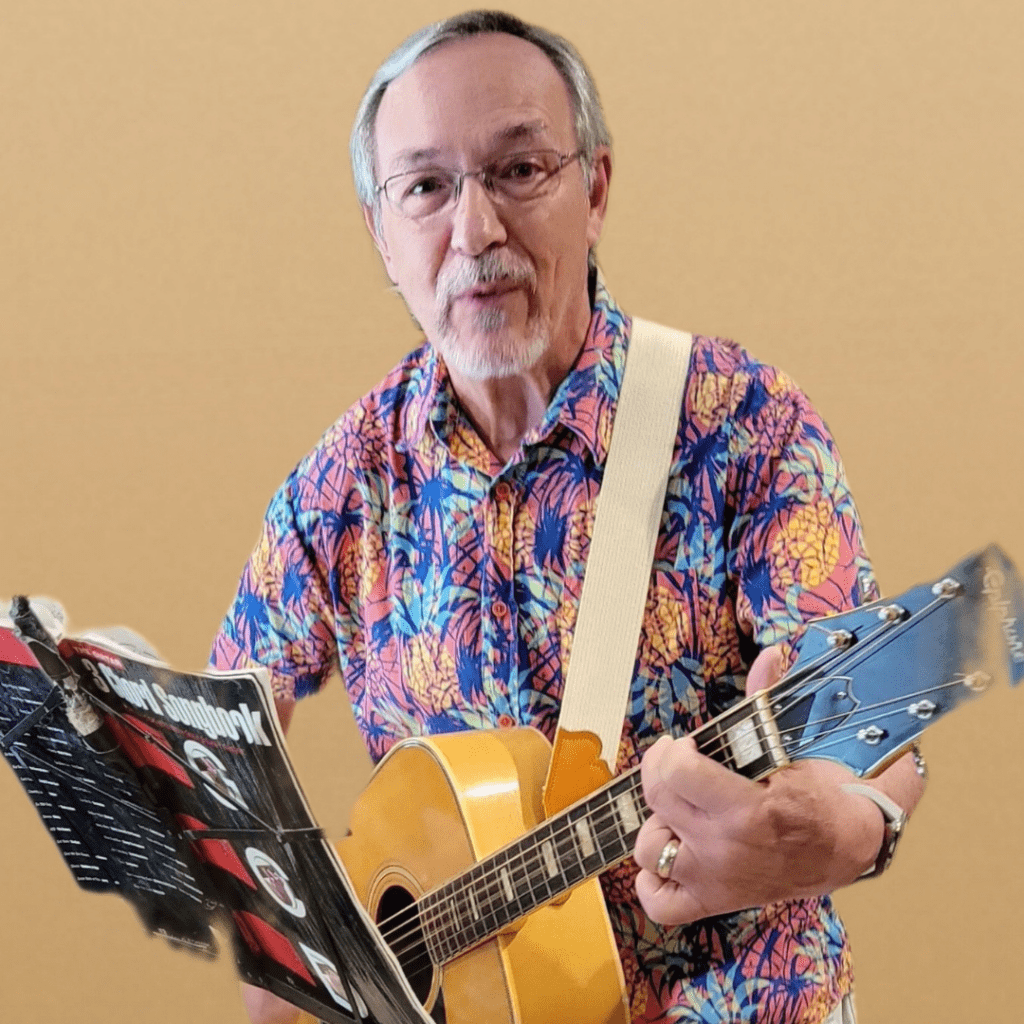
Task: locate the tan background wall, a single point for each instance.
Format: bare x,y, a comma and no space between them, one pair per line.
187,299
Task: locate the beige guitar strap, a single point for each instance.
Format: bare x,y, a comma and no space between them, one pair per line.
618,573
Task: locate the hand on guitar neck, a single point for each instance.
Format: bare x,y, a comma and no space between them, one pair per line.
743,843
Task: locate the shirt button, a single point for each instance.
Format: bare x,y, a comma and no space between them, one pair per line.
500,609
502,491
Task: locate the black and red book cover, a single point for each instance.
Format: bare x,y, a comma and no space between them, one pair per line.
175,791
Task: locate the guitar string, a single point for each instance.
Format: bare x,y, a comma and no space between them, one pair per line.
845,732
834,738
845,659
488,904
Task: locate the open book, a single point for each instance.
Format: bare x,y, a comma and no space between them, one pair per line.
175,791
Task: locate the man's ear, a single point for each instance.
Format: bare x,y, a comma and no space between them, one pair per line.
370,217
600,177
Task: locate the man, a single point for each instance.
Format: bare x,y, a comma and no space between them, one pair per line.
433,544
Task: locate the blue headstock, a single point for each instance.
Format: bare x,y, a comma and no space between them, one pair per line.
866,683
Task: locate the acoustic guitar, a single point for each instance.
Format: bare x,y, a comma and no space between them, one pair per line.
495,913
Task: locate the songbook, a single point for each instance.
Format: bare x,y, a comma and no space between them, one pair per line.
175,791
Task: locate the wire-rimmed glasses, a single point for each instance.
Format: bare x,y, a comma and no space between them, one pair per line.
515,178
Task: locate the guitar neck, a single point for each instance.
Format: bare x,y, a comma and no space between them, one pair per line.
582,841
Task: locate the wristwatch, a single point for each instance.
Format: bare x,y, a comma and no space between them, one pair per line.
895,819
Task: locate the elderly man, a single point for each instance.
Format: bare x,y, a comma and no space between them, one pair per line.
433,544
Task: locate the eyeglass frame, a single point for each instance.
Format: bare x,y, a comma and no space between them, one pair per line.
564,159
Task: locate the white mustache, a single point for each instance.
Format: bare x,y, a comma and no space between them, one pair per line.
488,267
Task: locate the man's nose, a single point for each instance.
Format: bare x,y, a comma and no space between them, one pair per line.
476,219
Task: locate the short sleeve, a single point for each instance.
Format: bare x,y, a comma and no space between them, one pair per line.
282,617
797,539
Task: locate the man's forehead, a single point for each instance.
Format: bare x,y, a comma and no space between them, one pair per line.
520,133
490,88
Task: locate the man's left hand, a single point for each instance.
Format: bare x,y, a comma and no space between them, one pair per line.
746,844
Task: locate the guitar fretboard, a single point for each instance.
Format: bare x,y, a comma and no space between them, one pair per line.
578,843
542,865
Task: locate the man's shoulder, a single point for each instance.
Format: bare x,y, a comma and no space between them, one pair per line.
356,446
727,358
727,382
380,415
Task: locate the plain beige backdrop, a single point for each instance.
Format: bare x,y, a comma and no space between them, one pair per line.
188,298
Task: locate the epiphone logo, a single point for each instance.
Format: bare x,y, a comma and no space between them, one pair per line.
992,588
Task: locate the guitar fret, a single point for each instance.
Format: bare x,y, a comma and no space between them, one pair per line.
606,826
431,932
568,858
540,876
584,837
713,741
744,740
627,815
485,884
446,925
589,858
540,854
547,849
506,884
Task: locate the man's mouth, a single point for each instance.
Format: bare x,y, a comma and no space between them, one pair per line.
490,290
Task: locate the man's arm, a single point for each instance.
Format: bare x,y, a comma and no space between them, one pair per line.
746,844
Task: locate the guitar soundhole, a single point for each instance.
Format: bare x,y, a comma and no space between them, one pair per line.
400,925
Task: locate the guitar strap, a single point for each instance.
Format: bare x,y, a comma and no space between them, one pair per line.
626,525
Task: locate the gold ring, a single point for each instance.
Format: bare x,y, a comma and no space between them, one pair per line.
667,858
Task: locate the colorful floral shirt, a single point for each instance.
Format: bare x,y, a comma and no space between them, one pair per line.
444,586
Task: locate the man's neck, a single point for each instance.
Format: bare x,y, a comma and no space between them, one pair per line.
505,409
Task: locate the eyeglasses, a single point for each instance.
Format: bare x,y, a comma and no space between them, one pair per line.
515,178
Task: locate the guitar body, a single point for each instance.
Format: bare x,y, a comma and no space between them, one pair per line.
433,808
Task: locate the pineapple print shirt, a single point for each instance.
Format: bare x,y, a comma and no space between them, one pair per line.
444,586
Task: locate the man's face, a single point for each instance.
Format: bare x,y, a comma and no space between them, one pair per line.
494,284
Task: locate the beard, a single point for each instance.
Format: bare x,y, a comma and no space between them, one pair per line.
490,348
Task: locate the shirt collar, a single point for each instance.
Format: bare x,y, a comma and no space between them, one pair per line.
584,402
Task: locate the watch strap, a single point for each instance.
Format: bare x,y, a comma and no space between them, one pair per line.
895,819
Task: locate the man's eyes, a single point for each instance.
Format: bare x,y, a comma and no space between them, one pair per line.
520,169
427,184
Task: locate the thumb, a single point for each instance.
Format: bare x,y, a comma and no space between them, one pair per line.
766,670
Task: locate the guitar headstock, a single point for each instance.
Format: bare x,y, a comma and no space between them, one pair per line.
867,682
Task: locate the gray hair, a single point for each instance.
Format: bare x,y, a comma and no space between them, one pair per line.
588,117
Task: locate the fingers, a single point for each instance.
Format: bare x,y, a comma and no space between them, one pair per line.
766,670
678,781
666,900
676,778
